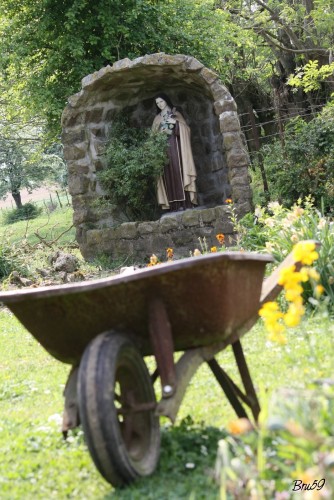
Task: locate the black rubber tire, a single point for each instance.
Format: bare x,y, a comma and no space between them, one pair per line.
122,446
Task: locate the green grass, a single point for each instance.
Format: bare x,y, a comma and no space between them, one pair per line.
48,226
37,464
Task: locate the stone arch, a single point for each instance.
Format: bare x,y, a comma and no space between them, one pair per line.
218,146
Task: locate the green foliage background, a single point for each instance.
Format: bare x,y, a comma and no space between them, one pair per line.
48,46
305,165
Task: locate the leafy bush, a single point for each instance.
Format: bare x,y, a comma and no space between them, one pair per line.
27,211
305,166
276,229
135,159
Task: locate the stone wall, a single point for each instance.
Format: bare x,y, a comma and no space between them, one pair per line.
179,230
219,151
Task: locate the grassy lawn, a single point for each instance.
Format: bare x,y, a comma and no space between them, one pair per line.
49,226
37,464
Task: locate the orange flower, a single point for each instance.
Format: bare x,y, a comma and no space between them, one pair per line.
240,426
213,249
228,200
170,253
221,238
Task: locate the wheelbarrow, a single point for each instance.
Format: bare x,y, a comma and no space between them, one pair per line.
105,328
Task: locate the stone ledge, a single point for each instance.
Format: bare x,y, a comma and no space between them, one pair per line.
181,231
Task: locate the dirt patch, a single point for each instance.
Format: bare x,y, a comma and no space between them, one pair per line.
42,193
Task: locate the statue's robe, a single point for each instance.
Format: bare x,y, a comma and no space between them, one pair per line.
177,184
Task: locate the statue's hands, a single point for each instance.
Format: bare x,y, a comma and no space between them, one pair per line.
171,120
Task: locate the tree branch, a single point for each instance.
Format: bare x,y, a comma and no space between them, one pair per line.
286,28
267,34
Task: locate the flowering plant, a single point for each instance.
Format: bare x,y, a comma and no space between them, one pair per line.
276,229
291,280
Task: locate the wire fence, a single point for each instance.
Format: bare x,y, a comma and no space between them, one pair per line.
255,130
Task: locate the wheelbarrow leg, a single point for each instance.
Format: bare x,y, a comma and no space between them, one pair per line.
246,379
162,344
228,387
71,417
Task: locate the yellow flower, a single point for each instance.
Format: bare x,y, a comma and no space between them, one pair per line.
286,275
305,252
297,300
306,272
268,309
213,249
293,293
319,290
277,337
153,260
228,200
294,314
271,315
291,280
313,274
196,252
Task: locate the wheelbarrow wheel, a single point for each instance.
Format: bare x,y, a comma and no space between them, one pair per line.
116,403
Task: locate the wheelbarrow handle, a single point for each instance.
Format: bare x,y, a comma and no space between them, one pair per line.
270,287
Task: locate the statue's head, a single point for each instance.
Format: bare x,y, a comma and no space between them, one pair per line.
162,100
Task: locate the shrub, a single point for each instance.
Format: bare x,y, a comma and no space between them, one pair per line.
27,211
305,166
135,159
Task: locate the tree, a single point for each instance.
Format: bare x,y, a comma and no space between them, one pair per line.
294,32
48,46
21,166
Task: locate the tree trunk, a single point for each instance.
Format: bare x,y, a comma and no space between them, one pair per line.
17,198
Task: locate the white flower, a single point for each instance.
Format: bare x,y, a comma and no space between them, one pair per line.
269,222
288,221
56,418
322,223
258,212
190,465
269,246
274,206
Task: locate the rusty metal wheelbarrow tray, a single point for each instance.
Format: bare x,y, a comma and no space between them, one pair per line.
208,299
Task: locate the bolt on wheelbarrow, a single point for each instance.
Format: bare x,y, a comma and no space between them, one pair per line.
105,328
